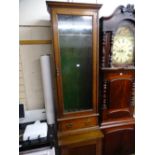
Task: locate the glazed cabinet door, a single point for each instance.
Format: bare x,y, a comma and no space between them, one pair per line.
75,44
76,54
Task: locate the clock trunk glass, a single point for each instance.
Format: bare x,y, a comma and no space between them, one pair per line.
75,40
123,47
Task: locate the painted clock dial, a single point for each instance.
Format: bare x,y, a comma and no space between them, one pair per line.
123,47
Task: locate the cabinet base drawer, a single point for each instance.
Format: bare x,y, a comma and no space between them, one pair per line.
78,123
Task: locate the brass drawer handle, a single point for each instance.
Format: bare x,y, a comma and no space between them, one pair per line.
87,122
69,125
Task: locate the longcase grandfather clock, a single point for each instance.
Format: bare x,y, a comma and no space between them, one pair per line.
76,56
117,76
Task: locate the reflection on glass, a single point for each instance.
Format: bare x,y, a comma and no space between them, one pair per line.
75,39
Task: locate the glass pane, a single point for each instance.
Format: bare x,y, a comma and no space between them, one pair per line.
75,39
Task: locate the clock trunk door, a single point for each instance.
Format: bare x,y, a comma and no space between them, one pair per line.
75,57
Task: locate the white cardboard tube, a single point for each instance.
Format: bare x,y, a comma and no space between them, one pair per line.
47,88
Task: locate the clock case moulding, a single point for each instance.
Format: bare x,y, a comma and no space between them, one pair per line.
122,16
117,83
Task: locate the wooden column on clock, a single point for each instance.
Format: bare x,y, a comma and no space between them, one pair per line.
117,76
76,58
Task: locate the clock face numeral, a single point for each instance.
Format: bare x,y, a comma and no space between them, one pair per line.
123,47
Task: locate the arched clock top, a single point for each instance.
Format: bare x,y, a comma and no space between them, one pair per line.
121,13
123,18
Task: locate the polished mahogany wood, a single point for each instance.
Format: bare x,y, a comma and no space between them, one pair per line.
108,27
53,4
116,83
117,86
78,123
119,140
89,142
117,97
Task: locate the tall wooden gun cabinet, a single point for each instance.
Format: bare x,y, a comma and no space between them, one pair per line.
75,37
117,76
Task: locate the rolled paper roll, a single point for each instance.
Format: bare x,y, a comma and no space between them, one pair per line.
47,88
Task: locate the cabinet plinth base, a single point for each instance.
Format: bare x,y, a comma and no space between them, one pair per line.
89,142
